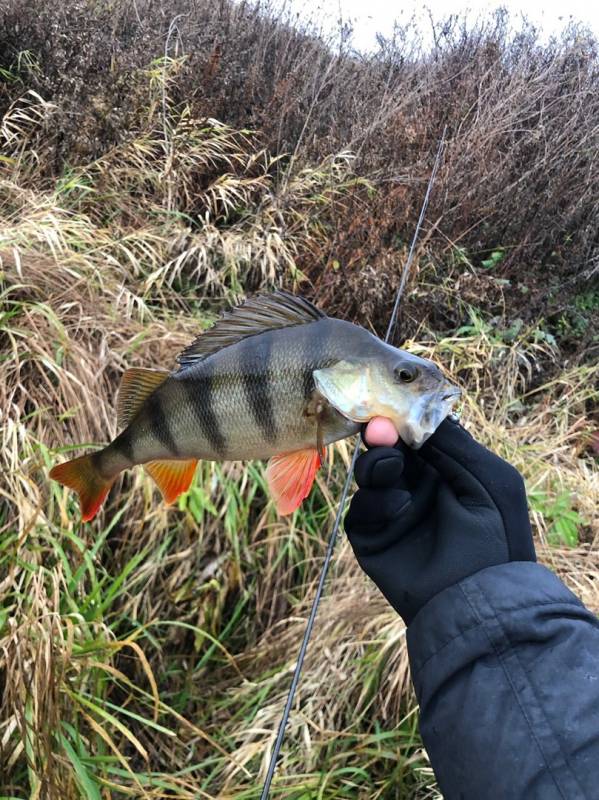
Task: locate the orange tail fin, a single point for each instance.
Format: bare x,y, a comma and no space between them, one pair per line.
81,475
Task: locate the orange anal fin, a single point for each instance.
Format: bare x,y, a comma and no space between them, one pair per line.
172,477
81,475
290,477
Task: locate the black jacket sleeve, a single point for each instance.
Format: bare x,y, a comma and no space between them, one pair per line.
506,670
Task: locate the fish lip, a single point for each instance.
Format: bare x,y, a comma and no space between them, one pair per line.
451,394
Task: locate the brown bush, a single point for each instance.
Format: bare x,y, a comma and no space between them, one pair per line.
519,176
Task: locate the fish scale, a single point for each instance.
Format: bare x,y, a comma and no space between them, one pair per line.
273,379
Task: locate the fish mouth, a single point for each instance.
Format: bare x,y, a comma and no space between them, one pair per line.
452,394
426,416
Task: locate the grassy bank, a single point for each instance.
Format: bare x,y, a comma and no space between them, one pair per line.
148,654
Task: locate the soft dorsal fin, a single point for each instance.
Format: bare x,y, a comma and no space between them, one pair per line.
136,385
258,314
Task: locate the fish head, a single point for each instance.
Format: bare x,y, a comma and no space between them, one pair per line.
411,391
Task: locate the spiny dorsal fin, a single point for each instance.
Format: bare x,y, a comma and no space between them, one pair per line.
136,385
258,314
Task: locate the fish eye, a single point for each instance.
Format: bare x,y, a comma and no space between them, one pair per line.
407,374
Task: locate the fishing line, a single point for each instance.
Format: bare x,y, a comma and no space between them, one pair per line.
333,537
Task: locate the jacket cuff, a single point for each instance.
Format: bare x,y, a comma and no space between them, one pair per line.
473,606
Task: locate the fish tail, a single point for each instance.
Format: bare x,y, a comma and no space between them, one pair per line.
82,475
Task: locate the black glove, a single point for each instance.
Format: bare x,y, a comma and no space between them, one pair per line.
423,520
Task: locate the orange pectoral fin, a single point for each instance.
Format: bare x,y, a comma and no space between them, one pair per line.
172,477
290,477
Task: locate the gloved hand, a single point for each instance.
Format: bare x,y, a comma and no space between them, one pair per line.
424,520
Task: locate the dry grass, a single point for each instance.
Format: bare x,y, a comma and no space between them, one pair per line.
148,654
194,615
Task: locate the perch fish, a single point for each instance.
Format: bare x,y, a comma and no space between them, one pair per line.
274,378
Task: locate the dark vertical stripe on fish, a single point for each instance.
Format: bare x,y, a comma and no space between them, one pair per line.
200,395
96,459
257,387
319,353
314,351
124,445
159,424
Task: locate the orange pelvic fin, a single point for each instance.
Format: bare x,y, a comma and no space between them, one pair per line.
81,475
136,385
172,477
290,477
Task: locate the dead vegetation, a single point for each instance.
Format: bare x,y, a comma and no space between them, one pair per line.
148,654
125,81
